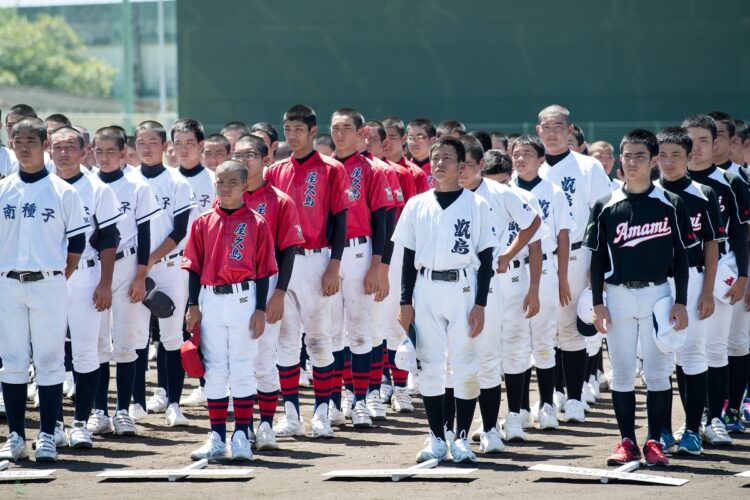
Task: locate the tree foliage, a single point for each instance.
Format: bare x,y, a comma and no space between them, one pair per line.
47,52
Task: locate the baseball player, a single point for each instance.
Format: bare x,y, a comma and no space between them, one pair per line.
230,255
448,238
13,116
420,136
42,237
674,147
583,181
554,290
280,214
233,131
393,149
215,150
732,195
637,235
269,134
90,287
168,233
138,206
498,167
318,185
324,144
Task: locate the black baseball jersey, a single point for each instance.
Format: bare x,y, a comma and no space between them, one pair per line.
641,234
703,209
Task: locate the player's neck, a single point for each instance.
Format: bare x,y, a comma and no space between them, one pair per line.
304,152
699,167
447,187
190,165
67,172
394,158
718,160
422,161
344,154
638,186
563,150
528,176
255,183
472,184
31,169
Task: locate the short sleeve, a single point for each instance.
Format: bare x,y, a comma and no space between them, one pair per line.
714,228
595,235
108,207
289,230
684,225
488,236
406,181
405,234
184,199
741,198
339,184
379,192
600,185
146,207
561,212
194,248
75,218
519,209
265,256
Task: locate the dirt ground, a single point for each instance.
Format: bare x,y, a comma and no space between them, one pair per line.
295,470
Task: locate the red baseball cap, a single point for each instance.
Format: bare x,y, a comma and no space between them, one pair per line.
192,360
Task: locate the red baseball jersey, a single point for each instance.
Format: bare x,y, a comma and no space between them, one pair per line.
420,178
319,187
368,190
280,213
391,176
226,249
405,179
426,167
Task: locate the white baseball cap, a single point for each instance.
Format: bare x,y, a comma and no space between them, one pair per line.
406,356
666,338
725,278
585,311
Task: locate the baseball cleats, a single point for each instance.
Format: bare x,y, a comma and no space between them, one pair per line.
625,451
175,416
99,423
716,434
490,442
213,449
668,442
527,419
513,427
158,402
336,417
595,389
678,434
266,438
547,417
375,406
46,449
14,448
196,398
653,454
361,416
733,421
123,423
435,448
291,423
587,395
321,426
60,435
690,443
461,451
449,436
347,403
573,411
79,436
137,412
559,399
386,391
401,400
241,447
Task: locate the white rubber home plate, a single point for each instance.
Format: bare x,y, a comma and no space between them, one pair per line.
605,475
198,469
21,475
425,469
743,474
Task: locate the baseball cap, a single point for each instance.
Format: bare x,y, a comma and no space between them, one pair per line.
159,303
406,354
725,278
585,310
192,360
666,338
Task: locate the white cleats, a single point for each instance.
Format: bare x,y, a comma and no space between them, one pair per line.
386,391
574,411
375,406
513,427
60,436
490,442
99,423
548,417
526,419
461,451
559,399
401,400
336,417
158,402
241,448
290,424
79,436
347,403
196,398
214,448
46,450
435,448
137,412
175,417
14,448
266,438
716,433
321,427
361,416
123,423
587,395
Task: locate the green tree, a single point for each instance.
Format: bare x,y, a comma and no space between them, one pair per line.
47,52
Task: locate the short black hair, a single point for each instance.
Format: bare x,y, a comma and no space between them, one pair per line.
701,121
236,126
642,136
530,140
497,162
301,113
59,118
219,139
188,125
726,119
22,110
500,136
741,130
70,130
451,126
154,126
267,129
255,141
131,141
33,125
675,135
394,122
423,123
325,139
355,115
473,147
484,138
111,133
451,142
378,127
578,134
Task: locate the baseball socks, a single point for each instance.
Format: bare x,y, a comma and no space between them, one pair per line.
267,402
125,381
243,413
50,404
217,415
14,396
361,375
347,376
695,400
322,378
545,378
738,372
433,406
559,373
86,387
657,404
718,385
525,404
574,370
449,409
514,385
376,368
100,400
139,384
399,377
336,380
175,375
624,405
464,416
289,380
489,406
161,367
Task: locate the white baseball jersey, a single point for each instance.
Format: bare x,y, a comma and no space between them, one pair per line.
137,204
173,194
204,190
513,230
615,184
8,162
583,181
736,170
450,238
98,200
37,220
555,211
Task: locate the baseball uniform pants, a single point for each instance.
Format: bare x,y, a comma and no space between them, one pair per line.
718,326
386,312
516,339
692,356
568,338
266,372
543,325
352,308
172,280
84,321
489,342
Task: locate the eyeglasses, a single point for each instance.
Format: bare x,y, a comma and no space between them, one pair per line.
245,156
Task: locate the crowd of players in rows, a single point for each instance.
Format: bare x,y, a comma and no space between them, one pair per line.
493,288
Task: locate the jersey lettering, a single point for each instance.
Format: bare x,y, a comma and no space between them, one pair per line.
632,236
309,200
513,230
721,203
48,214
205,200
124,207
696,222
261,209
9,211
355,190
462,234
165,200
568,185
238,244
29,209
544,204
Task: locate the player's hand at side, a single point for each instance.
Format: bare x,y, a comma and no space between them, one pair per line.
406,317
103,297
258,323
737,291
678,317
331,281
531,303
564,292
747,298
601,319
476,321
706,304
385,286
275,307
503,262
137,290
372,280
192,317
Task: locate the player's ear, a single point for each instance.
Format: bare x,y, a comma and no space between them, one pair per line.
654,161
570,128
313,131
45,144
432,140
481,164
363,132
200,145
266,160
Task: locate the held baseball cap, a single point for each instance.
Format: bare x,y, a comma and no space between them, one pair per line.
159,303
585,309
406,355
725,278
666,338
192,360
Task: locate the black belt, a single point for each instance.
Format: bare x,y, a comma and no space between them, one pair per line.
85,264
698,268
227,289
576,245
526,259
170,257
29,276
642,284
359,241
124,253
303,251
449,275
